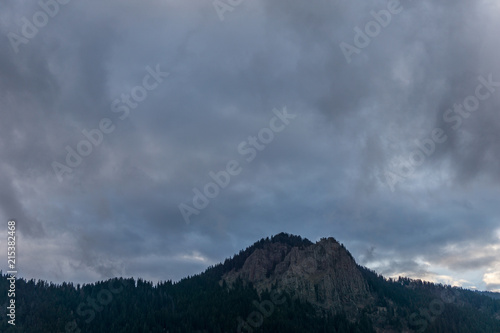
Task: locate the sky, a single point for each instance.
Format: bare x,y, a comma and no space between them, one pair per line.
155,138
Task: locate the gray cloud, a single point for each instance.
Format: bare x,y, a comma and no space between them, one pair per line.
325,174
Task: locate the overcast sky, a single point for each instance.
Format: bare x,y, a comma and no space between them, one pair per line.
310,114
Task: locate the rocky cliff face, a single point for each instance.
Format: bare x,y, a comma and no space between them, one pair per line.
323,274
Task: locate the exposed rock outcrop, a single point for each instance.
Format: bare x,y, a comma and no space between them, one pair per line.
324,274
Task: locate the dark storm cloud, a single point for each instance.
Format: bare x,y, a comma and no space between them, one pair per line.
325,174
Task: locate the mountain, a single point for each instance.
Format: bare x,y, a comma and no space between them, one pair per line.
280,284
323,274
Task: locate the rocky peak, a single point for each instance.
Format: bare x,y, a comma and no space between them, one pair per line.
324,273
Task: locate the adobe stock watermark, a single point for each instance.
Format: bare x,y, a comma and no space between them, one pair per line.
404,168
424,317
363,37
223,6
264,310
30,28
95,136
248,149
91,305
11,264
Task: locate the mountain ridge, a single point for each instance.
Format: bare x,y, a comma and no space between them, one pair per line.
285,283
321,273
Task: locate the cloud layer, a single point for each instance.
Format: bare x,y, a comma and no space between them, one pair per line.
339,168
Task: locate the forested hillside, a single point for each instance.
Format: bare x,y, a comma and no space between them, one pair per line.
206,303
